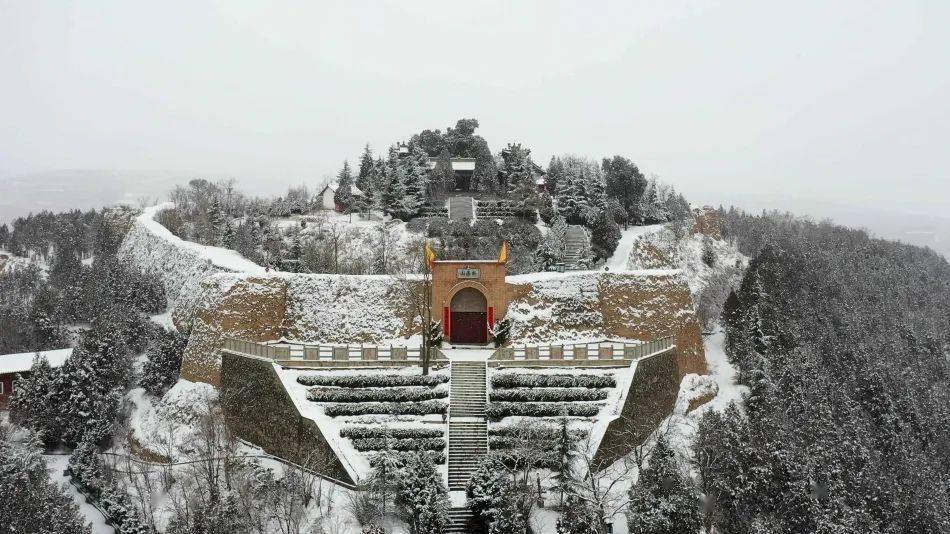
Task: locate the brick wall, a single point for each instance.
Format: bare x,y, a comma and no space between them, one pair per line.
490,282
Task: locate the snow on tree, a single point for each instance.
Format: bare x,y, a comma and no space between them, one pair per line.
365,181
485,175
663,500
417,176
421,497
491,497
554,246
443,177
31,502
163,363
343,196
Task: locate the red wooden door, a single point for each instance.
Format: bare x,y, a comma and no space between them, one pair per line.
469,327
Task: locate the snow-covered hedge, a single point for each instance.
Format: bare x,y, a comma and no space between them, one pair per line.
388,408
436,457
369,381
414,393
407,444
544,460
537,380
361,432
549,394
498,410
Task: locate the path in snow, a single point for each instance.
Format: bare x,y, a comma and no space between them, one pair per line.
468,354
722,372
621,257
56,464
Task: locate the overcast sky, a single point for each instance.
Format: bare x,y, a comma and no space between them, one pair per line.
834,101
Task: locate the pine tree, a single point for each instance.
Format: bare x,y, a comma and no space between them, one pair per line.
605,236
35,401
163,363
662,500
554,246
343,197
417,178
364,180
31,502
485,175
522,181
215,222
396,195
443,176
490,494
421,497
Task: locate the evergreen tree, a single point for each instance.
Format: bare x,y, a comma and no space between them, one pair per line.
522,180
490,493
485,175
31,502
663,501
605,236
443,177
577,517
343,197
398,204
421,497
364,180
554,246
36,402
216,218
163,363
417,178
626,183
4,236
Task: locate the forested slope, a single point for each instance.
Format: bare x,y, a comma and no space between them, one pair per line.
843,340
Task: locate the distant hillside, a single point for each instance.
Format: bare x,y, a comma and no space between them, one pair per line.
81,189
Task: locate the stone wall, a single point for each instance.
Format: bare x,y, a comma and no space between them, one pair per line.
642,305
651,399
259,410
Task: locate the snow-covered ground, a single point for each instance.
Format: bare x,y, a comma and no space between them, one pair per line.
56,465
621,257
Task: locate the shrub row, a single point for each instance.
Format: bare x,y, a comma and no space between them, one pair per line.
543,442
497,410
538,431
412,393
548,460
532,380
361,432
408,444
390,408
369,381
549,394
432,456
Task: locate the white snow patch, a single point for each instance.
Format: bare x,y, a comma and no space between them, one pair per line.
56,465
23,361
621,258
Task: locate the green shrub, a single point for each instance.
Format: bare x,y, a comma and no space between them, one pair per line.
389,394
387,408
368,381
549,394
534,380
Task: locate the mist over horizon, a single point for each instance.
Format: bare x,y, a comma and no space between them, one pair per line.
92,189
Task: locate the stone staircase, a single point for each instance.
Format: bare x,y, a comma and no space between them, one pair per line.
461,521
468,429
461,208
576,242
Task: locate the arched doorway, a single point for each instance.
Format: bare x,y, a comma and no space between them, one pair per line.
469,309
